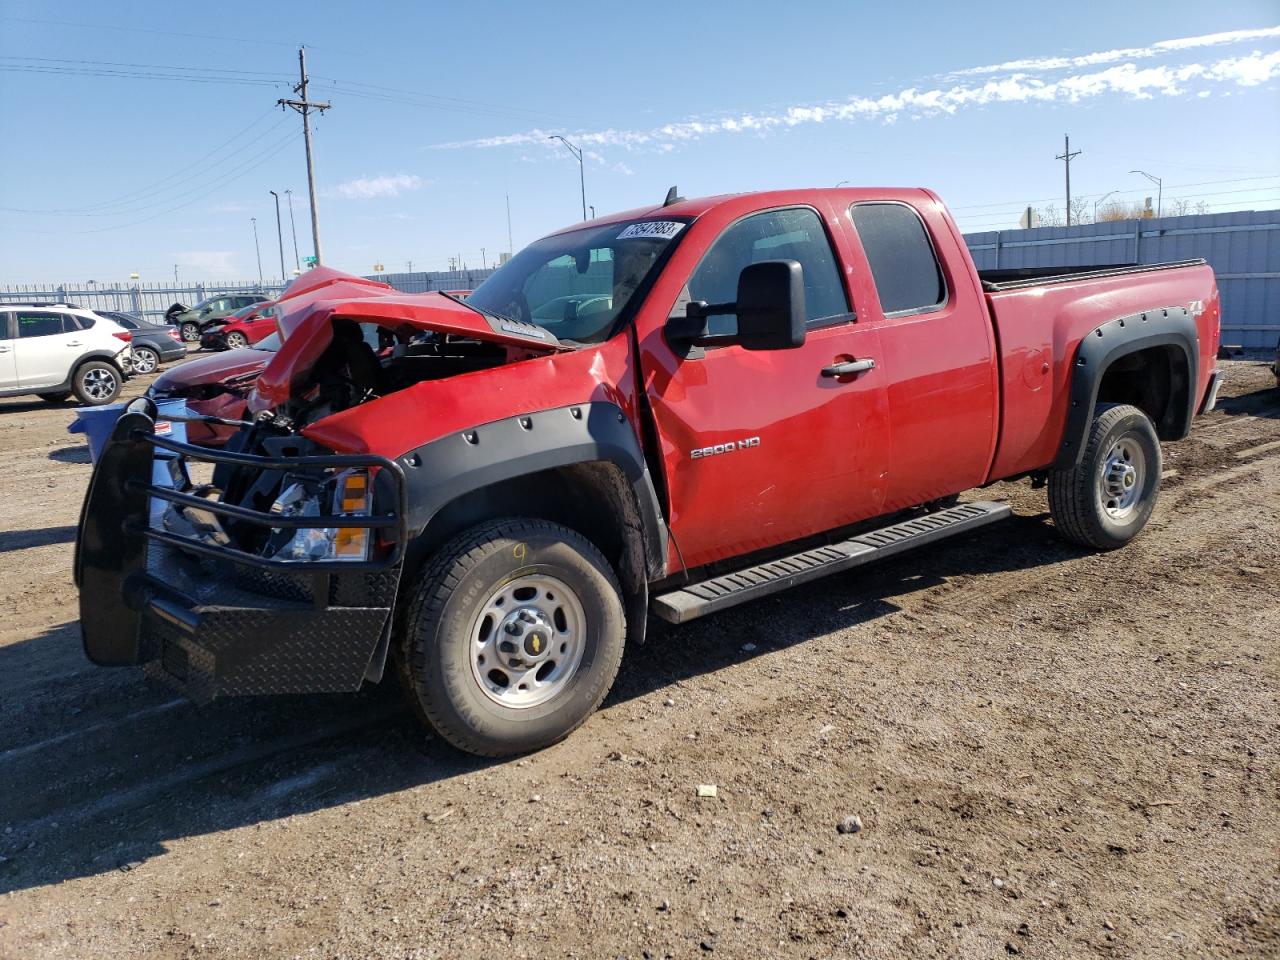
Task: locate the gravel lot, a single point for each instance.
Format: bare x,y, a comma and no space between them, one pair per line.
1051,753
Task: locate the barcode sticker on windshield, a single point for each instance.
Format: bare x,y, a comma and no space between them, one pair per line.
652,230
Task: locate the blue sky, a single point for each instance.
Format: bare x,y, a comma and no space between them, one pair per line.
145,134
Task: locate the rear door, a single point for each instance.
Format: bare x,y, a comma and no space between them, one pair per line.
47,346
938,347
760,447
8,362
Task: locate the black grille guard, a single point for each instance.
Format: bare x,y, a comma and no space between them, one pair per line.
294,465
111,566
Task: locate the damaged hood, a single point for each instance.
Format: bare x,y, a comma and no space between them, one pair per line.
305,315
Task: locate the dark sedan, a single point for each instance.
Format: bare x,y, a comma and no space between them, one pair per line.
153,343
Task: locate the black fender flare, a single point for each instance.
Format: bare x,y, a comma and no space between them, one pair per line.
1102,346
439,472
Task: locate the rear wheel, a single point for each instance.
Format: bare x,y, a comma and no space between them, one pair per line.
190,332
145,360
235,340
96,383
1105,500
54,397
514,636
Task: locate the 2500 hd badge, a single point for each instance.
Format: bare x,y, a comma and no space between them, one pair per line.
703,452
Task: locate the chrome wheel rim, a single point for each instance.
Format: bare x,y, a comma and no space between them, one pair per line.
189,332
527,641
1120,481
144,361
236,340
99,384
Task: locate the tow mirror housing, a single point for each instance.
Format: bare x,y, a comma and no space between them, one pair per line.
770,311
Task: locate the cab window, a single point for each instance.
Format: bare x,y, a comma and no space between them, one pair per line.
900,253
792,234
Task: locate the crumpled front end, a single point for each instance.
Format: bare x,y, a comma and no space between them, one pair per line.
278,577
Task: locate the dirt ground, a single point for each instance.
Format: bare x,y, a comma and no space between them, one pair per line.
1052,753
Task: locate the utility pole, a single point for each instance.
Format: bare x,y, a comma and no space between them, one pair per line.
409,265
510,251
304,107
1067,156
484,264
1159,190
297,263
582,181
279,237
175,274
256,249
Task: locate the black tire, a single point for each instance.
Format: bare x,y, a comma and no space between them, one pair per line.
96,382
145,360
447,614
58,397
189,331
1093,511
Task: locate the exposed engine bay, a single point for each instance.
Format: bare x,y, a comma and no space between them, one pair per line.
362,362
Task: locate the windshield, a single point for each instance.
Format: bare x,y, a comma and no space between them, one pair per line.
577,284
270,344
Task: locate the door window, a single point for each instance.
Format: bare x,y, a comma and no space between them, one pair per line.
39,324
792,234
903,263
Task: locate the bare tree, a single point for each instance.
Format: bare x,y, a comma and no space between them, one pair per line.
1050,215
1081,211
1122,211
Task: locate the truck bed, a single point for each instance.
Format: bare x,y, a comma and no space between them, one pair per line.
1017,278
1040,317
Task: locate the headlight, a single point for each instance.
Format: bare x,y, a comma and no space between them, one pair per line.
350,495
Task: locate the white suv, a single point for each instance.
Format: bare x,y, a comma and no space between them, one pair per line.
55,349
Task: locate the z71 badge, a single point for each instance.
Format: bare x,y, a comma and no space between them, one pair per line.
703,452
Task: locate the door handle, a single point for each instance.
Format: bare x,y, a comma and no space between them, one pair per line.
4,349
73,343
850,369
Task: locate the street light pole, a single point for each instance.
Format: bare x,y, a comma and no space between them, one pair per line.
256,249
279,236
297,263
582,179
1100,202
1159,190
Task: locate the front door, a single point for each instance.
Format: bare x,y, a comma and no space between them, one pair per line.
765,447
44,351
8,363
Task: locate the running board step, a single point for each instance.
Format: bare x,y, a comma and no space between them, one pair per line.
731,589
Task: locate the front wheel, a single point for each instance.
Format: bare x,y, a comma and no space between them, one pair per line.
1105,500
235,340
514,636
189,332
96,383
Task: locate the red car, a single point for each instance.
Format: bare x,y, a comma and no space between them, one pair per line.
668,411
245,327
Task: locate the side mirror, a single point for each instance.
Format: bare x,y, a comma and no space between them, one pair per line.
771,306
770,310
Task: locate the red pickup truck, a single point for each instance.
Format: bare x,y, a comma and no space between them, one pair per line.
668,411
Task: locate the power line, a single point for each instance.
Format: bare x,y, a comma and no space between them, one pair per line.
182,67
234,174
1173,186
132,29
133,75
156,187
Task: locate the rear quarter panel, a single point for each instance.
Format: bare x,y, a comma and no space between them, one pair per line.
1039,329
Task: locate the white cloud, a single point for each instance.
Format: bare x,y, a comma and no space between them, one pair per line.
1042,64
367,188
1125,79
